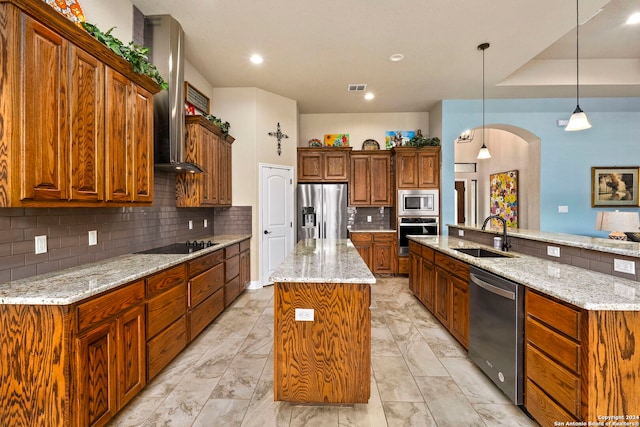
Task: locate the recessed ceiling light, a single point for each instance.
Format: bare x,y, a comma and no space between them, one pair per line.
634,18
256,59
369,96
396,57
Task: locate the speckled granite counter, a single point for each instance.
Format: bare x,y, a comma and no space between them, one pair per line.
627,248
386,230
323,261
583,288
78,283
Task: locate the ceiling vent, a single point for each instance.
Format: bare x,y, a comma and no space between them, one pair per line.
361,87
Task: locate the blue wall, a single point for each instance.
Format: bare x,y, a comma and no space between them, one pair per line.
566,157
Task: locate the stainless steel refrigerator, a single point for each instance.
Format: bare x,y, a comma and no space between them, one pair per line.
322,211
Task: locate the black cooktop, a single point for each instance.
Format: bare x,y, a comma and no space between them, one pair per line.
180,248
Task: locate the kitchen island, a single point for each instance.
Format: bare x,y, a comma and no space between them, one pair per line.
322,324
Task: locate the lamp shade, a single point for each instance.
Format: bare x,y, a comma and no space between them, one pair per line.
578,121
618,223
484,153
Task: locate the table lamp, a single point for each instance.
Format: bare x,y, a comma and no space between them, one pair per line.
618,223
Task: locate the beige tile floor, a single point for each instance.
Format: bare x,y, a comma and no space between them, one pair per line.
420,375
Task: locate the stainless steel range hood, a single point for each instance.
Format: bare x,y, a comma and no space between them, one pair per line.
166,39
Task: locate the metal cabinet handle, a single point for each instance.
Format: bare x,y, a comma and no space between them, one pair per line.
493,289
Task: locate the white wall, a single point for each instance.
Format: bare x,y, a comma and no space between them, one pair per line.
108,14
360,126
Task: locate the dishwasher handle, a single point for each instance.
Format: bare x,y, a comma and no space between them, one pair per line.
491,288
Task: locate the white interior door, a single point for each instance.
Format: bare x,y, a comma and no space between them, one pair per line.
276,217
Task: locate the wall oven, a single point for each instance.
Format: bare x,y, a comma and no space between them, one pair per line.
418,203
412,226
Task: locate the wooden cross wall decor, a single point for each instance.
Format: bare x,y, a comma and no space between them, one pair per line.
280,136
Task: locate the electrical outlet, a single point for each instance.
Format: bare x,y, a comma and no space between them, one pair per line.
93,238
553,251
563,209
205,223
41,244
368,218
623,266
304,314
460,233
190,225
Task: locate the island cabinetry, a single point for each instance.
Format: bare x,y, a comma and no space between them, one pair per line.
370,179
378,250
417,167
206,291
323,164
59,116
209,148
166,317
109,353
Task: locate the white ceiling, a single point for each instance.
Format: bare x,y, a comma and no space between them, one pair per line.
313,50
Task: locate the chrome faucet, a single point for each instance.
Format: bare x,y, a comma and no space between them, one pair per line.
505,243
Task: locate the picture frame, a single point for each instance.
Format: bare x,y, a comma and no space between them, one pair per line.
504,197
614,186
398,138
195,100
336,140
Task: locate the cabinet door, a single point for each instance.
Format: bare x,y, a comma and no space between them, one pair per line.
118,168
44,147
428,169
210,161
460,310
142,145
360,181
96,375
131,354
380,169
224,175
414,273
310,166
364,245
427,284
336,166
87,127
384,253
442,296
407,170
245,270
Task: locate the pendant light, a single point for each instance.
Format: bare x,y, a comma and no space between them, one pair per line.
578,120
484,151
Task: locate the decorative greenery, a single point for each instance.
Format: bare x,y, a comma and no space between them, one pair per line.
420,141
224,126
134,54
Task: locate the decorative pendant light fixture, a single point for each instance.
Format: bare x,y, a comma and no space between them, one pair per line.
484,151
578,120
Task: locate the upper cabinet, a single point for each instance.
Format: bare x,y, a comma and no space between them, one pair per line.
417,167
371,178
209,148
323,164
77,121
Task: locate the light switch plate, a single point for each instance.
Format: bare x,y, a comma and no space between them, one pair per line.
41,244
563,209
304,314
190,225
460,233
93,238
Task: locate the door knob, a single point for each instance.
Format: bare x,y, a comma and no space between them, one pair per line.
267,232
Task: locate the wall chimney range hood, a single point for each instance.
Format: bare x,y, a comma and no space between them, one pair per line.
166,41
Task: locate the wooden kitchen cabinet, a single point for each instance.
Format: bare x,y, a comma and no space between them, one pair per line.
370,179
61,116
363,242
209,148
378,250
323,164
417,167
245,264
231,273
206,291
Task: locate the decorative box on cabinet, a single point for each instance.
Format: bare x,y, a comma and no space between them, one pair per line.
209,148
61,148
371,178
323,164
417,167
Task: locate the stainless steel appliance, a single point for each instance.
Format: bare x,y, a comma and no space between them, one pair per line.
322,211
410,226
418,203
496,330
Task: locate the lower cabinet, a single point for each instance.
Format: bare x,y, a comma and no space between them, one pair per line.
206,293
245,264
379,250
231,273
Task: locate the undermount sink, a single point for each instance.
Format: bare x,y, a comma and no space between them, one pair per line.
482,253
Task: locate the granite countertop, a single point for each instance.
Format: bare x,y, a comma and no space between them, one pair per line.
372,231
78,283
619,247
584,288
323,261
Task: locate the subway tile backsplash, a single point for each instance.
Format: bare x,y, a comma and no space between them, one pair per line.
120,231
357,218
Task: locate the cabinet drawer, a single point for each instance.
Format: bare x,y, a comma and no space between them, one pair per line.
109,305
555,345
232,250
231,291
384,237
164,309
166,279
205,262
556,381
360,237
559,316
205,284
428,254
205,312
415,247
165,346
452,265
245,245
231,268
542,408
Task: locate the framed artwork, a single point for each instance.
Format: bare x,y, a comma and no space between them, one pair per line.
336,140
398,138
195,100
504,196
614,186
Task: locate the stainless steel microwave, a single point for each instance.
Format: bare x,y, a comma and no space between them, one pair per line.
418,203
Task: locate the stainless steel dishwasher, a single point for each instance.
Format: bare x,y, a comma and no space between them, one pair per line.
496,330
